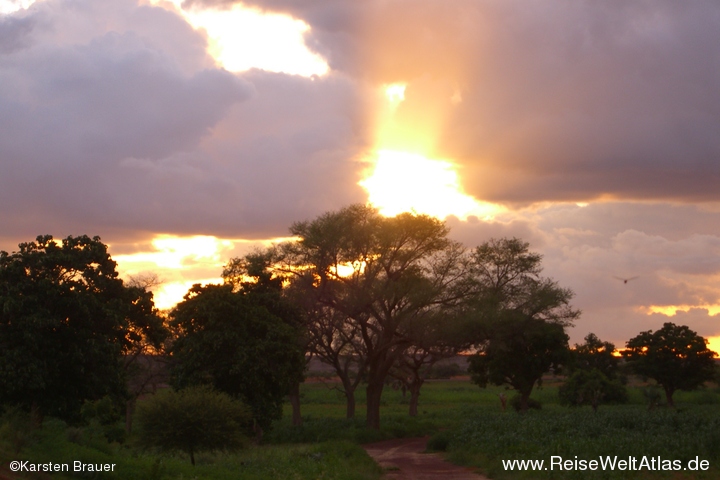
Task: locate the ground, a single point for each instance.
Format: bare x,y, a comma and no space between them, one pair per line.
403,459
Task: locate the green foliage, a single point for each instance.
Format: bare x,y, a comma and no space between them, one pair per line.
192,420
595,354
520,351
65,321
676,357
230,340
487,438
591,387
521,316
339,460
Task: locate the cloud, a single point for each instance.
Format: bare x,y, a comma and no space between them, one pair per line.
559,101
115,119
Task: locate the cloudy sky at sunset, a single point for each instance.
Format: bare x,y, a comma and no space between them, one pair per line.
185,133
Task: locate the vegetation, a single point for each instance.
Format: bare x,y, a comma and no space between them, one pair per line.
674,356
231,341
594,378
591,387
193,420
378,299
66,323
523,318
366,282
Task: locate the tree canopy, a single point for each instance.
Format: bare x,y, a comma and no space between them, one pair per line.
233,342
676,357
522,317
379,275
66,320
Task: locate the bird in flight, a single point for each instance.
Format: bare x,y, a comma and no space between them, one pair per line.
625,280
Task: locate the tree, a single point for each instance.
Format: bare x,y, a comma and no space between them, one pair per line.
434,339
595,354
66,322
382,275
252,275
676,357
518,353
593,380
233,342
193,420
521,317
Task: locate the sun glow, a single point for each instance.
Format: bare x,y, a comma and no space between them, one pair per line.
403,182
395,93
714,344
403,176
672,310
241,38
180,262
11,6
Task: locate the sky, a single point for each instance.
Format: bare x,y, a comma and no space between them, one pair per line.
187,133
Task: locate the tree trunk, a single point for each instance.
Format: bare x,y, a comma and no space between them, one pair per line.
669,397
192,457
349,392
374,394
524,401
295,402
415,396
350,396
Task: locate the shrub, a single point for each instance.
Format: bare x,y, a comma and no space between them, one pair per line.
193,420
516,403
591,387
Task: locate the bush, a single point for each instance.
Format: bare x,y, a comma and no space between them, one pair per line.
591,387
193,420
532,403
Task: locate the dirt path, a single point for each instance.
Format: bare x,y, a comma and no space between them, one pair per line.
403,459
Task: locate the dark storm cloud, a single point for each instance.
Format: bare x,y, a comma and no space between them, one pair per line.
559,100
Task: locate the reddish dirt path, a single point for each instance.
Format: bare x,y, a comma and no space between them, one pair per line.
402,458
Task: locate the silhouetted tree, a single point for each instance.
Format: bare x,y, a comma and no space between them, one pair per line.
67,321
252,275
521,316
595,354
233,342
380,274
676,357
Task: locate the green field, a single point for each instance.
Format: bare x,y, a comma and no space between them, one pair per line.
463,420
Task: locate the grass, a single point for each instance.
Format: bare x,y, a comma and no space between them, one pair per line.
463,420
57,443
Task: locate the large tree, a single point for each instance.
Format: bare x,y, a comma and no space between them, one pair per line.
233,342
676,357
521,317
253,275
382,275
67,321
